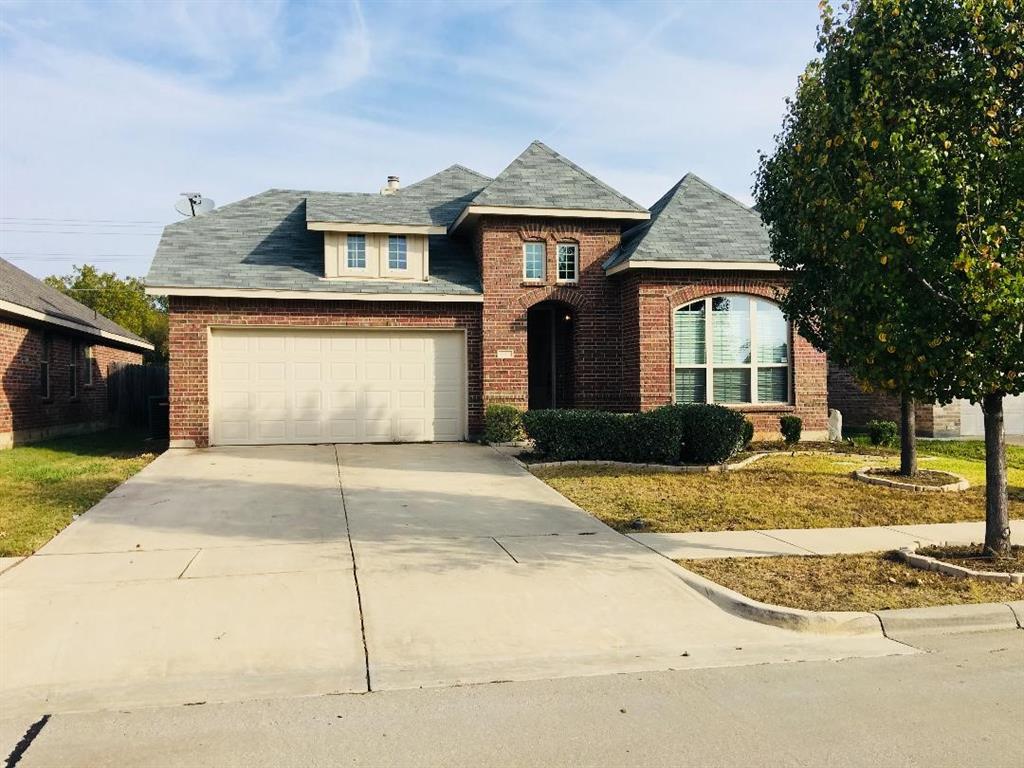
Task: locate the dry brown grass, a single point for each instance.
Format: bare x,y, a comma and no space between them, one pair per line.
971,557
780,491
871,582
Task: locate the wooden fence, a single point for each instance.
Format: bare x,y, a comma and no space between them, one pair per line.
137,397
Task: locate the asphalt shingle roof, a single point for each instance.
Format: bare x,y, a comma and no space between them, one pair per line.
542,178
434,201
19,287
693,221
262,242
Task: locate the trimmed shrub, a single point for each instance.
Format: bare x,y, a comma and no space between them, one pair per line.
502,424
748,432
710,434
673,434
791,428
882,432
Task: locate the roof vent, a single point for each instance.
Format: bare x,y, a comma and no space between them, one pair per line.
392,186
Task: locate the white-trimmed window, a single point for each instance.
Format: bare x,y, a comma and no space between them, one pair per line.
397,252
355,252
44,367
90,361
568,262
533,260
731,350
73,369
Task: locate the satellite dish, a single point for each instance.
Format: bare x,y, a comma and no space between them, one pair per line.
193,204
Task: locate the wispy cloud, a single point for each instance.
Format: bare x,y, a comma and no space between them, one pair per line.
110,111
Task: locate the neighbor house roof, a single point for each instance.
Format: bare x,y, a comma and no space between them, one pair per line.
542,178
695,223
433,202
262,243
27,297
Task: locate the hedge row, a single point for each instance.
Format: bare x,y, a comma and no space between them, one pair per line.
673,434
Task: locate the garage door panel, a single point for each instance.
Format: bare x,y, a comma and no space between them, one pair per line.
336,385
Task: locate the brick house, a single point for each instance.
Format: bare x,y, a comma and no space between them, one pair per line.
54,354
331,317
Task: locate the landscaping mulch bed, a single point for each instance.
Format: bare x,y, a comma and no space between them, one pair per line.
971,557
929,477
869,582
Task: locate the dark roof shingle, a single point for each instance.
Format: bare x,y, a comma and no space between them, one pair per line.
19,287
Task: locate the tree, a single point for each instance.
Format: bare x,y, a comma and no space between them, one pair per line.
123,300
895,195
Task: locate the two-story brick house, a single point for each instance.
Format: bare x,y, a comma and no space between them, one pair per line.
333,317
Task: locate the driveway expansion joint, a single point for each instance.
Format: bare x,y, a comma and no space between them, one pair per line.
355,572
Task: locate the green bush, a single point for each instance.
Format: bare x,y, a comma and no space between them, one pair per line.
673,434
791,427
503,424
748,432
882,432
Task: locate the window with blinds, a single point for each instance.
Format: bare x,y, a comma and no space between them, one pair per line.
731,349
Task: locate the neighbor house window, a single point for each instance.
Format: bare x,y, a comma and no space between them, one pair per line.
731,349
568,262
44,367
397,258
355,252
533,261
90,353
73,370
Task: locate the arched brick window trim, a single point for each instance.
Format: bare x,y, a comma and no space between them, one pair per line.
558,233
688,293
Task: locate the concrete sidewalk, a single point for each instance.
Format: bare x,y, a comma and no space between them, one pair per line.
813,541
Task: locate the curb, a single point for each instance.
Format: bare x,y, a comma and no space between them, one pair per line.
949,619
795,619
926,563
961,483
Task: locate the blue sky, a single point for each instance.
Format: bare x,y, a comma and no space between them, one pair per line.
108,110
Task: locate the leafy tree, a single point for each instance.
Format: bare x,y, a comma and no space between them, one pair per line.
895,194
122,299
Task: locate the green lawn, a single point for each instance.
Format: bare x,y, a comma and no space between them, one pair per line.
783,491
42,486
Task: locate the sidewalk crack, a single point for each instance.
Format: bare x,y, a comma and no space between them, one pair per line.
355,571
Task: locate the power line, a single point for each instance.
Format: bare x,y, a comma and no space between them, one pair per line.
126,222
76,255
75,232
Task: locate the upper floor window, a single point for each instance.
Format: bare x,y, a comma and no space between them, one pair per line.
533,261
355,252
731,349
397,252
568,262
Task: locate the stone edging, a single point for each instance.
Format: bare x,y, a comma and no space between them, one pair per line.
647,467
961,483
926,563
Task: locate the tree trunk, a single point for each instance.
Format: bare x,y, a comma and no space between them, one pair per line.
908,437
997,511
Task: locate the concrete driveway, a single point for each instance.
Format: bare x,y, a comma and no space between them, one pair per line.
228,574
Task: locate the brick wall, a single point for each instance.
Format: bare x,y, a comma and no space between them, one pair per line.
24,413
597,361
190,319
649,298
859,407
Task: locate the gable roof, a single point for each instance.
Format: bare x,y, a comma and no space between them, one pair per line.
432,202
262,242
695,222
542,178
25,296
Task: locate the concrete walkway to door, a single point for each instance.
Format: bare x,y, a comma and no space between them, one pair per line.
227,574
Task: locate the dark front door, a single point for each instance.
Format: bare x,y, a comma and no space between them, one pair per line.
549,330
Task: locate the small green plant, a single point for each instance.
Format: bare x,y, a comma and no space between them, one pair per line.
883,432
503,424
748,432
791,427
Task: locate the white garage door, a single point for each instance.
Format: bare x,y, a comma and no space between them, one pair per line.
972,420
336,386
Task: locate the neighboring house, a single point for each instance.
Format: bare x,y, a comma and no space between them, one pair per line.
300,317
54,354
961,418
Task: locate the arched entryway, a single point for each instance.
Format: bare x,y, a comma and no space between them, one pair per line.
550,330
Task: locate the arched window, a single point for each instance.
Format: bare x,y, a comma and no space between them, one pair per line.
711,351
